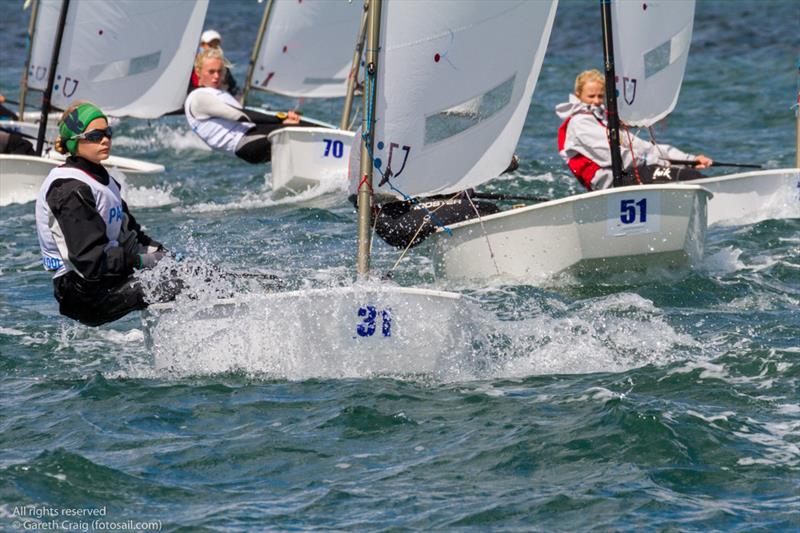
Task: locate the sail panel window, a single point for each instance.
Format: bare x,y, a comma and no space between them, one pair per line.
458,118
324,81
656,59
125,67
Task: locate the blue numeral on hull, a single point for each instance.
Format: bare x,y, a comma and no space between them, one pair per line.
335,148
368,324
628,212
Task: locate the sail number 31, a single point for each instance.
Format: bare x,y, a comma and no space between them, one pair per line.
369,321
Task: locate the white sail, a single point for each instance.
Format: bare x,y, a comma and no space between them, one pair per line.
308,48
130,57
651,46
455,80
42,46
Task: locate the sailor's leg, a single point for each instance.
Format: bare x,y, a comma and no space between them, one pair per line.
94,304
661,174
254,146
403,224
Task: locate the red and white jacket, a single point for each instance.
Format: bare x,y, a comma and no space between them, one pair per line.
583,145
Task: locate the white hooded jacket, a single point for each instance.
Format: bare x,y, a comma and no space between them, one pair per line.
587,135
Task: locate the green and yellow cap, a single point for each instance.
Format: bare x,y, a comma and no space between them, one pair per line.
75,123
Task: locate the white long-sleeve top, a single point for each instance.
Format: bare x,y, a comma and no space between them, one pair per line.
587,135
214,115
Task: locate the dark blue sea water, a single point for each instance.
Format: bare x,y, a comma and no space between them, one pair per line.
665,401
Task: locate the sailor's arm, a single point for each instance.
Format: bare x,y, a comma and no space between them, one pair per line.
666,151
205,105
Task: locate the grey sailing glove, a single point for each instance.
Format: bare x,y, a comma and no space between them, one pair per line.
150,260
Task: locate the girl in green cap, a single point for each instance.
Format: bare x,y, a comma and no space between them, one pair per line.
88,237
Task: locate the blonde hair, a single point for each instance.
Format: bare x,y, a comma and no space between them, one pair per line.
59,144
209,53
587,76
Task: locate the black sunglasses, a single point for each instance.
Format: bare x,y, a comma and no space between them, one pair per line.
95,136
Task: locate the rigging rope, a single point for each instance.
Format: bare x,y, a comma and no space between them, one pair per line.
633,154
485,235
410,242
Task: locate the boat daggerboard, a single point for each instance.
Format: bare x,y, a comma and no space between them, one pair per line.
130,57
651,47
454,87
308,48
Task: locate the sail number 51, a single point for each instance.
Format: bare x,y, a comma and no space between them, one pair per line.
631,211
634,213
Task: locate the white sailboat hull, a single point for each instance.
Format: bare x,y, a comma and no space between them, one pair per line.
614,229
352,331
303,158
750,197
21,176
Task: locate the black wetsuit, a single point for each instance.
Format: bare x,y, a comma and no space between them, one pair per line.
649,174
407,223
101,288
14,143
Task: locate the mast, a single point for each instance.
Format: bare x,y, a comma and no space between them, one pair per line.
254,54
611,93
367,143
51,76
352,77
23,84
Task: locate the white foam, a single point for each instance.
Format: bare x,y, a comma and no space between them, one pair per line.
267,198
11,331
713,418
121,337
725,261
708,370
777,440
598,394
789,409
178,138
515,176
609,334
149,196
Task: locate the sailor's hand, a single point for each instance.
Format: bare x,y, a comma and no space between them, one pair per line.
292,117
150,260
703,161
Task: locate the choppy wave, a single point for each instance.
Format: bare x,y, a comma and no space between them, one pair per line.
162,136
268,198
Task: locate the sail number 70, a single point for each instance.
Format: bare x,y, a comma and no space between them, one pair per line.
631,211
333,148
369,321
